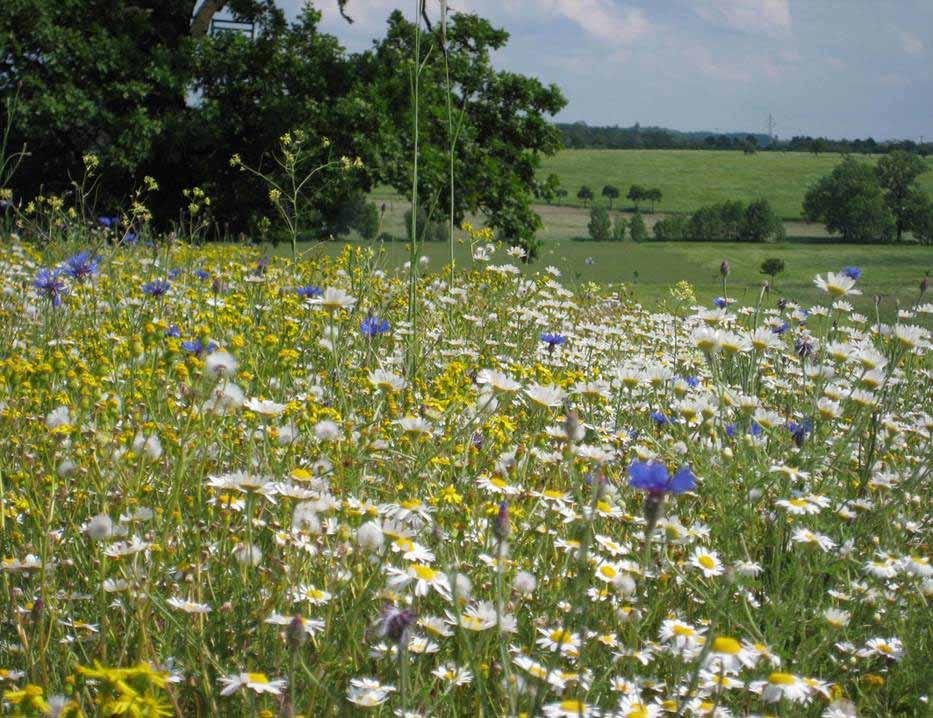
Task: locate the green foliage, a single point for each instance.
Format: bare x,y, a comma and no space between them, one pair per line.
653,196
611,193
93,76
429,229
618,229
850,201
550,188
637,228
671,229
724,222
718,222
585,194
600,225
361,215
772,266
636,193
127,80
761,224
501,115
920,217
898,172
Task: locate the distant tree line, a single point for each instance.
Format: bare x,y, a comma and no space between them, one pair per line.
579,135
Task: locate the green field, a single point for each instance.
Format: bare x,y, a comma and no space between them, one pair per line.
650,269
690,179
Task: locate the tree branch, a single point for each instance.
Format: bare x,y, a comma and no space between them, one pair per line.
201,23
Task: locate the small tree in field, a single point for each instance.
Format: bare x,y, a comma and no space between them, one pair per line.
600,225
653,196
618,231
772,266
585,194
637,228
610,193
636,193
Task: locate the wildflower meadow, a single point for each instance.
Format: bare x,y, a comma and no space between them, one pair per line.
234,485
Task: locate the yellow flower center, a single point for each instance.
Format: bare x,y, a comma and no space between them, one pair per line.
560,636
706,561
257,677
782,679
729,646
425,573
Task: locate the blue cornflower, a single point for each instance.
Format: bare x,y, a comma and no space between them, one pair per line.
588,261
131,238
196,346
660,418
721,302
81,266
174,273
781,329
373,326
692,381
799,431
653,477
108,222
755,429
852,272
552,339
48,284
157,288
202,274
173,331
309,292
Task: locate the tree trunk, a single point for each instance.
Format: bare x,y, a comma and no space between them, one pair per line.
201,23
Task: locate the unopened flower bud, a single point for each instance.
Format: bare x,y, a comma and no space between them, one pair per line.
500,527
295,633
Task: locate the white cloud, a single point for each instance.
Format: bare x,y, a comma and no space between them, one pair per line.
756,17
701,59
912,44
605,20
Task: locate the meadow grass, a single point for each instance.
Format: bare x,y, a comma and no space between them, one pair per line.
690,179
228,488
650,269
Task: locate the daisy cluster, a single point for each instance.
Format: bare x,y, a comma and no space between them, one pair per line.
231,485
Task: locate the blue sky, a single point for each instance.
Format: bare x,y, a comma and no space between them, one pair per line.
839,68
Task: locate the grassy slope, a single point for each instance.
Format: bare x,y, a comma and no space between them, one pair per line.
894,272
690,178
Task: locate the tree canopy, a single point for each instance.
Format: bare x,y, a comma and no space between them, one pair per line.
143,86
850,201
